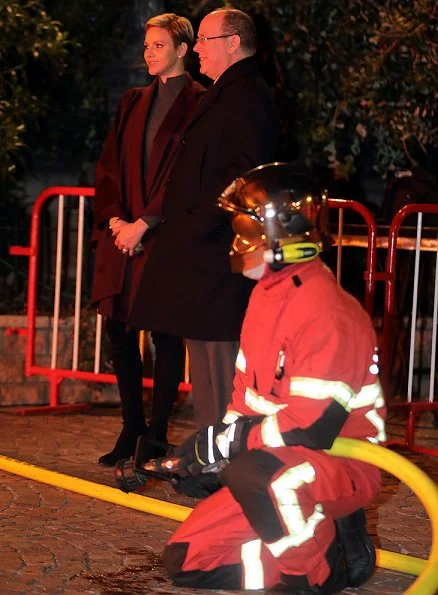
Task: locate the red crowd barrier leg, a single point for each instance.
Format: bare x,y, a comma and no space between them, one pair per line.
390,332
409,438
410,427
54,406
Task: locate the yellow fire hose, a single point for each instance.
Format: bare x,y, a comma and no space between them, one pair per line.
423,487
396,465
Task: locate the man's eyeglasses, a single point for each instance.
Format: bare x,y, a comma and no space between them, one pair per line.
203,40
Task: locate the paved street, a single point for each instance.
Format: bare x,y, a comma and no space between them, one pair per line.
56,541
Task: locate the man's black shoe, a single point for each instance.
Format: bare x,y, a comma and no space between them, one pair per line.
359,551
335,583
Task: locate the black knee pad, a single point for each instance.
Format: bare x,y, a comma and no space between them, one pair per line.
248,478
228,576
173,558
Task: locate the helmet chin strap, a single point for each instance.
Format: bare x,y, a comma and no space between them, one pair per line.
279,256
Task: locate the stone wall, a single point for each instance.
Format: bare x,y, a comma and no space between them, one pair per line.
17,389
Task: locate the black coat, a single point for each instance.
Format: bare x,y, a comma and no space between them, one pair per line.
187,287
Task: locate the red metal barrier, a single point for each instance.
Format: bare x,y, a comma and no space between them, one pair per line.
56,375
32,251
389,325
370,275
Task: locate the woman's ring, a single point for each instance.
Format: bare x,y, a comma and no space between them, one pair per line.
124,250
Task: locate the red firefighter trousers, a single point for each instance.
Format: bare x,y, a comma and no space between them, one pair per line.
273,518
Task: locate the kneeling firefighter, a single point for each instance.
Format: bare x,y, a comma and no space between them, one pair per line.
281,514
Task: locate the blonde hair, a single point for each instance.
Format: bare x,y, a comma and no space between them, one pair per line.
180,28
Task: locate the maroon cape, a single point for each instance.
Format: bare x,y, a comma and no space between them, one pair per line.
124,190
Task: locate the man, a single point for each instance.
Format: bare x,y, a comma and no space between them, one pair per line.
188,288
306,373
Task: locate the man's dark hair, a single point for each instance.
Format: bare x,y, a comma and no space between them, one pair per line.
237,21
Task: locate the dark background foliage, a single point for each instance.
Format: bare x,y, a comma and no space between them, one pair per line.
54,58
357,77
355,83
53,91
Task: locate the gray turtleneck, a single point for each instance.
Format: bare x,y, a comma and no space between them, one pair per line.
164,98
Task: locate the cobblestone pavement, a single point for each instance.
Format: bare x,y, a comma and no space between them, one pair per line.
56,541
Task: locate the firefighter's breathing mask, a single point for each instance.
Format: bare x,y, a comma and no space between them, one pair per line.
279,216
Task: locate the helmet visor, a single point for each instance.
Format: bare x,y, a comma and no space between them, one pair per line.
249,232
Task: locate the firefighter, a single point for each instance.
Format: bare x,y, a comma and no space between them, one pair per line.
285,516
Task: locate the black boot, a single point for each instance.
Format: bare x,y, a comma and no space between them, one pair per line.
335,583
128,367
124,447
359,551
168,369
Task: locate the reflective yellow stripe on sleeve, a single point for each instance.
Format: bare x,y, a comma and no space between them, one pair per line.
368,395
270,432
371,395
260,404
230,417
313,388
377,421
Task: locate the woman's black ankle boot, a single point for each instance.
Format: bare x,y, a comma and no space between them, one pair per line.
123,449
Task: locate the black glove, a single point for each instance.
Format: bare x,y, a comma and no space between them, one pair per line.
199,451
206,449
201,486
237,435
147,449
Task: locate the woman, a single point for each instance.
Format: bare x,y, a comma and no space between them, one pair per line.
130,178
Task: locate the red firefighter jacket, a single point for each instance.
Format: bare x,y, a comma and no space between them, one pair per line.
307,362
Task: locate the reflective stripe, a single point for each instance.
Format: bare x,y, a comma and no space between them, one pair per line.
270,432
299,529
230,417
241,361
372,394
307,532
224,439
374,367
252,565
378,422
314,388
261,405
368,395
210,436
